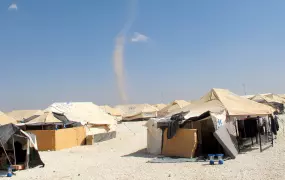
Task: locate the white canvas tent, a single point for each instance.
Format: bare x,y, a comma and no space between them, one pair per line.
173,106
137,111
87,113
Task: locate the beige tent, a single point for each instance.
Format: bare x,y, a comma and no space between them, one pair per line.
173,106
4,119
46,117
110,110
20,115
218,99
137,111
236,105
276,98
282,95
159,106
260,98
248,96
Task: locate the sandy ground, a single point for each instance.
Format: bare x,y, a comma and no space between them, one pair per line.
125,158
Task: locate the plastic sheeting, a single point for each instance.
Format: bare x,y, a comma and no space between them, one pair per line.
224,138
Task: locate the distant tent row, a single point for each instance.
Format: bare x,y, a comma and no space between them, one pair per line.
64,125
137,111
4,119
174,106
22,115
273,100
112,111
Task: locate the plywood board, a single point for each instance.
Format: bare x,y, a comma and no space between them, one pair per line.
69,137
59,139
183,144
45,139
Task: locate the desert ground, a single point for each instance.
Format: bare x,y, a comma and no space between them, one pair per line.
125,158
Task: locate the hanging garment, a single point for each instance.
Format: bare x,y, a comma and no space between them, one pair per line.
241,130
274,124
174,125
250,126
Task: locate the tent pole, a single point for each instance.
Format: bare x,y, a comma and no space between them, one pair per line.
5,152
15,160
27,154
258,123
237,136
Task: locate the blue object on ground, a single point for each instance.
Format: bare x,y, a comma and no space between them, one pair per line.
9,173
220,158
211,157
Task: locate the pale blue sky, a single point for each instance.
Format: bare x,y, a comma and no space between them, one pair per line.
62,50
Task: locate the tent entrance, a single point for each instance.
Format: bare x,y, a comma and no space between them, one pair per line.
14,152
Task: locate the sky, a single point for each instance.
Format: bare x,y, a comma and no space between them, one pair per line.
61,51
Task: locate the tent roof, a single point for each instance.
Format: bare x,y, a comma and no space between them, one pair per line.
236,105
248,96
83,112
159,106
135,109
110,110
47,117
23,114
282,95
173,106
196,109
4,119
275,98
260,98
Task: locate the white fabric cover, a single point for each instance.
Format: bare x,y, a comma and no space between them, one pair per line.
219,119
83,112
154,137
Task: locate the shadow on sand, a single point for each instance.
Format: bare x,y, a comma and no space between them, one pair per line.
140,153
